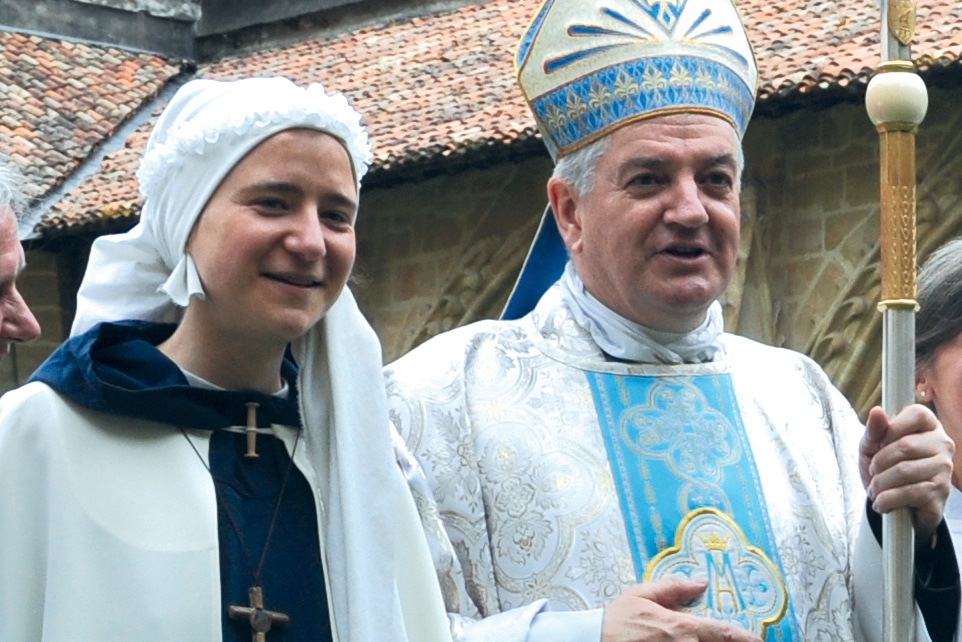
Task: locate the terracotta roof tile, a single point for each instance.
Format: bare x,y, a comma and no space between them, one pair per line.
806,46
440,86
61,100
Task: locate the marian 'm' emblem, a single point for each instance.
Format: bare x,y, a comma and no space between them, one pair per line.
901,19
744,586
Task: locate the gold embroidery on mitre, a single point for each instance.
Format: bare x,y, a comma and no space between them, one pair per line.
744,586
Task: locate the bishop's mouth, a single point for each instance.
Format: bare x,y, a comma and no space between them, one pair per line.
685,252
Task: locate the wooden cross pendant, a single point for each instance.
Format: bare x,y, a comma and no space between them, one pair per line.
260,619
251,429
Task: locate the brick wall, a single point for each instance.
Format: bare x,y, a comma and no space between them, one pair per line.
413,241
816,175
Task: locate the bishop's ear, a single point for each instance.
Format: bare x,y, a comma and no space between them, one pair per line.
564,205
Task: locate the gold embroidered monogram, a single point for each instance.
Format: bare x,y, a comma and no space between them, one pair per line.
744,586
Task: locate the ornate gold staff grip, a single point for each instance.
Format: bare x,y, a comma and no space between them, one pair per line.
896,102
898,215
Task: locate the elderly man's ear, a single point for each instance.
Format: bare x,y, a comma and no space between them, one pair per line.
564,205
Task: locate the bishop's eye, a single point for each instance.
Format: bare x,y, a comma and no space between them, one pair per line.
719,179
645,179
337,217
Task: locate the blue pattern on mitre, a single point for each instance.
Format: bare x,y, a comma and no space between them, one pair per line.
588,67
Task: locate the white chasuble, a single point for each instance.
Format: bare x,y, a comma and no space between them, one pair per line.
503,419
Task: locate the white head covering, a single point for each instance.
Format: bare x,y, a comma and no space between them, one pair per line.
382,580
207,128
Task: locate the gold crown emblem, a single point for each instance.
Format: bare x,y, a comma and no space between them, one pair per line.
715,543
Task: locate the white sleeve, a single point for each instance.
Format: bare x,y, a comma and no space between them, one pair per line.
530,623
566,626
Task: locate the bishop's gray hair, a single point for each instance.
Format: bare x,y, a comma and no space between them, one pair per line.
578,168
939,319
12,189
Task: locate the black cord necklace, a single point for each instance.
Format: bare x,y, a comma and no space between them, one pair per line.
260,619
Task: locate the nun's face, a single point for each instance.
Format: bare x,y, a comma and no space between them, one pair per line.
275,244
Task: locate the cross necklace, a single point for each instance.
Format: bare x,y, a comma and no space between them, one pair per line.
261,620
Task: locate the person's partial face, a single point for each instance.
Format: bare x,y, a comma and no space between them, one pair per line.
941,382
17,323
656,238
274,246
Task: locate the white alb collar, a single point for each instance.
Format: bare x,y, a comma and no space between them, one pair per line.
624,339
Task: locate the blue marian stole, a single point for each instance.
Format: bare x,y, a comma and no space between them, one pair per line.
691,496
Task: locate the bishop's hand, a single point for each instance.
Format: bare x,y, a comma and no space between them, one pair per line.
646,612
906,462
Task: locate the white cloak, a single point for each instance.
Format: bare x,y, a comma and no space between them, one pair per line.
108,530
501,418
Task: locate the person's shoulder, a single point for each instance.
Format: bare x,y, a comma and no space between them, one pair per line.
30,415
797,381
741,350
28,395
446,359
31,403
455,343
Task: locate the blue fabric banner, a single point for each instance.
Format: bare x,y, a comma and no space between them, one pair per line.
691,496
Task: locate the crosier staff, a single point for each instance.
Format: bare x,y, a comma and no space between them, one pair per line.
896,101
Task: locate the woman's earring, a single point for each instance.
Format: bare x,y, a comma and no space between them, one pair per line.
921,394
